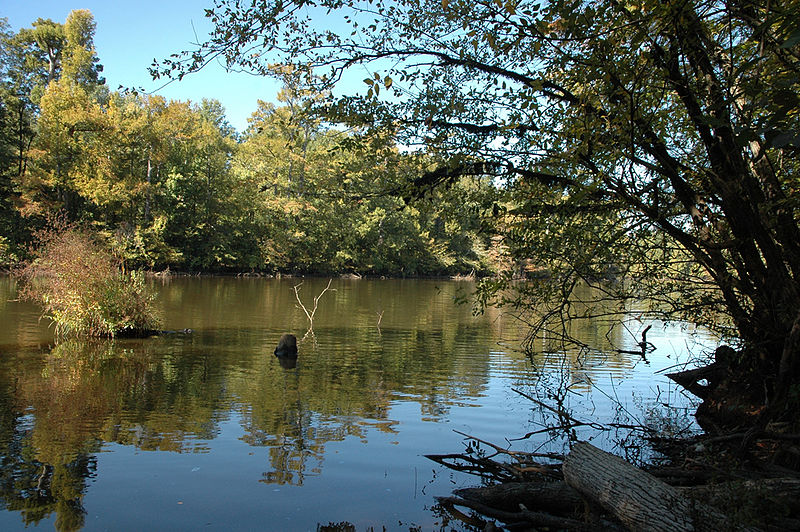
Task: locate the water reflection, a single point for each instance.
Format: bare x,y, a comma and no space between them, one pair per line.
378,349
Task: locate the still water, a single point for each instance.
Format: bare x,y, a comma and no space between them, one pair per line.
209,431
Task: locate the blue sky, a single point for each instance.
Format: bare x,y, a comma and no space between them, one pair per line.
131,34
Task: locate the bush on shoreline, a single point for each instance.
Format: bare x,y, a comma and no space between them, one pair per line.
83,288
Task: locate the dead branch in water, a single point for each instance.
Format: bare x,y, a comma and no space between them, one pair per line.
380,317
310,315
522,466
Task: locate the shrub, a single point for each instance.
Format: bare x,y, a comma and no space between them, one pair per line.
83,288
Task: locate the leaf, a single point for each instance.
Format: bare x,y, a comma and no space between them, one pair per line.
490,39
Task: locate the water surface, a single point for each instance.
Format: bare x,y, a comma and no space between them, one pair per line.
209,431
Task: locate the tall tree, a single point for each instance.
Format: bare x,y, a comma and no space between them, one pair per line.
46,40
23,75
71,121
664,131
29,59
10,109
80,63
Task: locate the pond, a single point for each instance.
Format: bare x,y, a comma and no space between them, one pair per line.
209,430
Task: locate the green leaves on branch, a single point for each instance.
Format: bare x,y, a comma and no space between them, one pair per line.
374,83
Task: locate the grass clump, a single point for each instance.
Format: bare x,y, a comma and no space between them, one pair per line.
83,288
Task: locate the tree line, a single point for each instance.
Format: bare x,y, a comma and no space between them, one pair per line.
171,184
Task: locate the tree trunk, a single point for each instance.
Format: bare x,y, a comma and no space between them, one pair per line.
149,193
639,500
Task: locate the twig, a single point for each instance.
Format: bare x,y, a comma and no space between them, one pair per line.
310,315
551,456
561,414
493,446
476,466
487,465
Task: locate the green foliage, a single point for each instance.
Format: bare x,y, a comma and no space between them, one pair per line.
170,184
83,289
80,63
328,201
16,130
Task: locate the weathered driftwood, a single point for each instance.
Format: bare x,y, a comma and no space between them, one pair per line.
639,500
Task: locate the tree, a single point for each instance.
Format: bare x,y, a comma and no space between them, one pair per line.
197,184
322,197
28,60
13,131
21,74
45,41
80,63
661,136
70,118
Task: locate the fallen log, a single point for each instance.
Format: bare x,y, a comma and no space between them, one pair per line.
553,497
639,500
690,379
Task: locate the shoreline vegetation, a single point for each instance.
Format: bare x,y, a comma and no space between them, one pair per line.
705,484
281,275
83,288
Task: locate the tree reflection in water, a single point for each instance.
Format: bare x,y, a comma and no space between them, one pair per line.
170,394
60,407
37,484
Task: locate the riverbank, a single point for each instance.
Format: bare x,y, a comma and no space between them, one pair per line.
738,474
471,276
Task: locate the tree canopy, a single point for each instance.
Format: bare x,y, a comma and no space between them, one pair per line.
171,184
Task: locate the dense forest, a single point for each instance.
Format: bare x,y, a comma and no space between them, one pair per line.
170,184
